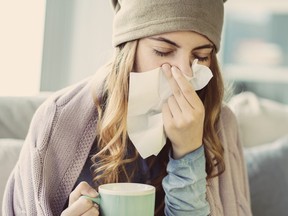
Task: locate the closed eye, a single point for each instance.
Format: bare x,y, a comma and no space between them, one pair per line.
161,54
202,59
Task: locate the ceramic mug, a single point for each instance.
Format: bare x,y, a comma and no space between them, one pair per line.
126,199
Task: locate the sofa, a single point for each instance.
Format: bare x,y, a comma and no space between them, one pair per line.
263,126
15,116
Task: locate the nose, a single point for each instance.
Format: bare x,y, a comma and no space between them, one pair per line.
184,64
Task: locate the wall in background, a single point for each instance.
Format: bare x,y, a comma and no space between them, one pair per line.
78,39
21,43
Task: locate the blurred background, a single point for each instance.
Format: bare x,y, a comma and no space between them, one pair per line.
255,47
46,45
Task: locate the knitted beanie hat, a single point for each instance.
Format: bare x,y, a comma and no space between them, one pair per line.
135,19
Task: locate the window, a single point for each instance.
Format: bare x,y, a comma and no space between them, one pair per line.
21,39
75,44
255,46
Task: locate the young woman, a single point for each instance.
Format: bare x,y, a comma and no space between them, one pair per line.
79,137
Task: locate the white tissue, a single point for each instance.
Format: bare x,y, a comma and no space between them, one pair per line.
148,91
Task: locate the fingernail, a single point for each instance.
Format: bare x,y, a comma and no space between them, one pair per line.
174,72
166,69
93,193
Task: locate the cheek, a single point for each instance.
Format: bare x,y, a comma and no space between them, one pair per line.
146,61
207,63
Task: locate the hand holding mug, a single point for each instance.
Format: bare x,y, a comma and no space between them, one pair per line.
79,205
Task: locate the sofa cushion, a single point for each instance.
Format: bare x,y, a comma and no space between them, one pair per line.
16,114
9,153
268,177
260,120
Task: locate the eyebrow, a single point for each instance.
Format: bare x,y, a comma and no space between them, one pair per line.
165,40
206,46
162,39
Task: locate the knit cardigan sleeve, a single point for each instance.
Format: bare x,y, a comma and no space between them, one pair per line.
56,147
20,196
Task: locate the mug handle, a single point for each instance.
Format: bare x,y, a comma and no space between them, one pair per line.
95,200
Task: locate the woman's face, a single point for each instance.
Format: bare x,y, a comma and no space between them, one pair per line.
176,48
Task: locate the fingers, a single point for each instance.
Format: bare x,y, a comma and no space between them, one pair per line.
82,206
167,115
82,189
182,89
183,114
92,212
79,205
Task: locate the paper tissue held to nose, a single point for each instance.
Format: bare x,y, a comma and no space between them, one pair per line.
148,91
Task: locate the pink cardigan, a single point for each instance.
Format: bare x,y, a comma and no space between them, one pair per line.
57,146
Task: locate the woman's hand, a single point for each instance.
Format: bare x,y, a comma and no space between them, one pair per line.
183,114
80,205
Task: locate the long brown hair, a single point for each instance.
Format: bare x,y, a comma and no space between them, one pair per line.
112,140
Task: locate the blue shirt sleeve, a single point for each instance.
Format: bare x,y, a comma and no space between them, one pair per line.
185,186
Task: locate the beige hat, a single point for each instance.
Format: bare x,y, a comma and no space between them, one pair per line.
136,19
